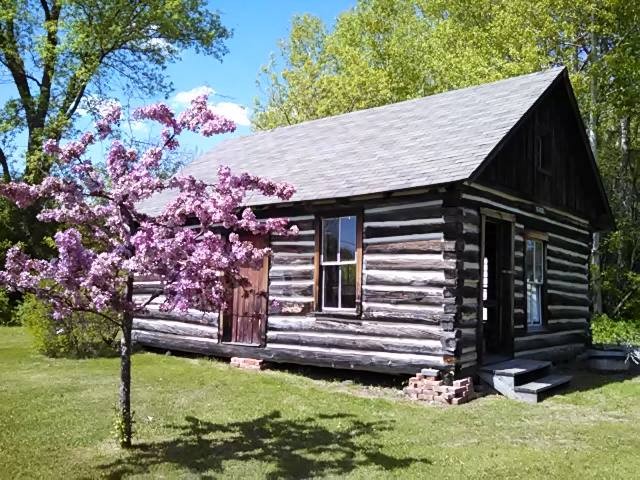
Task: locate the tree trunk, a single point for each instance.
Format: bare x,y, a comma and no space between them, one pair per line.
593,139
125,430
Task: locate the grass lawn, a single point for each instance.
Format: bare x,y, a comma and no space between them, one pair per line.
197,418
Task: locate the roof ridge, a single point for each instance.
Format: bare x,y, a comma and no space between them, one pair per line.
557,70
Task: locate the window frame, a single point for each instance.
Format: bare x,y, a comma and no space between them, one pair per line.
544,147
542,239
319,265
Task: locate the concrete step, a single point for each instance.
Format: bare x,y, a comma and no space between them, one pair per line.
535,391
514,367
518,371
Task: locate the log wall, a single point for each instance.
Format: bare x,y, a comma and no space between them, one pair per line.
407,313
420,278
566,298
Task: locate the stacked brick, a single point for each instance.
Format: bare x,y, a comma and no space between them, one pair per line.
247,363
429,387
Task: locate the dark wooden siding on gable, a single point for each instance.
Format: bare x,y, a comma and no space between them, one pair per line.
569,183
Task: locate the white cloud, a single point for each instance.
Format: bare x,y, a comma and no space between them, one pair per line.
138,126
185,97
232,111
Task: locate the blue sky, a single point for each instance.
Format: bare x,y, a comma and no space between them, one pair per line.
258,25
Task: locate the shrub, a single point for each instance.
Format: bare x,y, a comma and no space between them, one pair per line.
606,330
79,336
7,316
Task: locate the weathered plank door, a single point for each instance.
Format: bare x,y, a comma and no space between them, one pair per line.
246,321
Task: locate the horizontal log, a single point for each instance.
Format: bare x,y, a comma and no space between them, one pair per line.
569,244
201,318
562,311
544,340
284,306
290,289
408,213
175,327
393,363
411,278
148,287
291,259
396,262
292,247
565,299
364,327
565,276
389,313
303,225
573,287
556,263
360,342
291,274
401,230
398,297
526,213
417,246
562,258
556,353
385,362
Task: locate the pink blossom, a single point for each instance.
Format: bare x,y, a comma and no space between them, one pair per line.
112,239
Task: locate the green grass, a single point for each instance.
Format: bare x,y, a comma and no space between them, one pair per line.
202,419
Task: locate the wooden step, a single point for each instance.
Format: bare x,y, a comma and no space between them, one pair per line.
533,392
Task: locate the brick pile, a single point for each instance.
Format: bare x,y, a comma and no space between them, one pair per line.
428,386
247,363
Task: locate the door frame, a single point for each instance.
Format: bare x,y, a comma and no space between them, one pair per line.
508,221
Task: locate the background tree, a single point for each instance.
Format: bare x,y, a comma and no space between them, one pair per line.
109,239
59,55
385,51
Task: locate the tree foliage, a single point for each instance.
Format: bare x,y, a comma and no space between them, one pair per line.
58,52
110,236
385,51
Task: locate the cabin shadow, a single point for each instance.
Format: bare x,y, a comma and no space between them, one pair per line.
585,379
356,377
294,448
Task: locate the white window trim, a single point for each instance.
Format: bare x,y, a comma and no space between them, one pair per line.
338,263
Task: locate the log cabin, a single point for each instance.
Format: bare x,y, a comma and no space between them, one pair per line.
445,232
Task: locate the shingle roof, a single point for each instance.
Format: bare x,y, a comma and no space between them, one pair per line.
427,141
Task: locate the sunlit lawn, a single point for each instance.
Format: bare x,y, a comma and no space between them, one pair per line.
197,418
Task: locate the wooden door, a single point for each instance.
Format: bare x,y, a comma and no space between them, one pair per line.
246,321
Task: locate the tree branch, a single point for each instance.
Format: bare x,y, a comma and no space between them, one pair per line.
6,174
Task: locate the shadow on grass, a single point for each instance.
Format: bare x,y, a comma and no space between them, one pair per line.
293,448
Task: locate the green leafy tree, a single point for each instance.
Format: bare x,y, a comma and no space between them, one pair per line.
58,52
385,51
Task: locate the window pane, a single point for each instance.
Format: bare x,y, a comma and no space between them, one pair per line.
348,286
330,290
539,264
347,238
534,304
528,259
330,239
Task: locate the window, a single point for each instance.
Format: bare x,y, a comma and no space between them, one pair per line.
534,266
338,261
544,152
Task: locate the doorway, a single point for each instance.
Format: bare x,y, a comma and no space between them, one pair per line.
496,288
245,322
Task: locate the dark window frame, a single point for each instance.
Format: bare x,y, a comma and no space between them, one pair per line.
544,151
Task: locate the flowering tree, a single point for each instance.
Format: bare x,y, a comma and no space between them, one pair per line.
107,239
